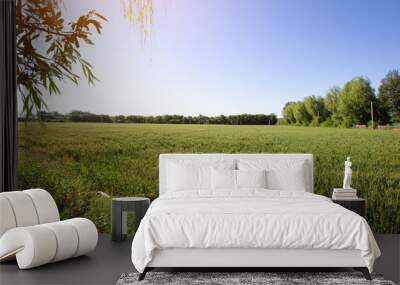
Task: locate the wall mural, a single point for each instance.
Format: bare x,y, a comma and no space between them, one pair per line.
104,87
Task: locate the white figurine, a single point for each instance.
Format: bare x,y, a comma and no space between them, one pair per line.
347,174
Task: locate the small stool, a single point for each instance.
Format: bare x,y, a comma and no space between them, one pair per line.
120,207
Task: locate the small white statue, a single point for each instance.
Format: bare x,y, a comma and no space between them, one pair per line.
347,174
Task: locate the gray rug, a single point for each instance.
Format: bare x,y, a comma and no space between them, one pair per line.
269,278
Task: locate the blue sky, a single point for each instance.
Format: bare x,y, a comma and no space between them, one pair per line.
215,57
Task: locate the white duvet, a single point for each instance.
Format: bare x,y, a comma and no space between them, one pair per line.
250,219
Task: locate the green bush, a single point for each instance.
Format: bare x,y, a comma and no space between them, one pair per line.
328,123
315,122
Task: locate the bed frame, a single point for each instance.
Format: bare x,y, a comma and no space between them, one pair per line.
249,259
246,258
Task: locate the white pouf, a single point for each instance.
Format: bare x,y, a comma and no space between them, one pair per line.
31,232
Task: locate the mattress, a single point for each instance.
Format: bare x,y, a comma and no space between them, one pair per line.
250,219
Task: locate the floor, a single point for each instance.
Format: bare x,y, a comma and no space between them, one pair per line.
389,262
103,266
110,260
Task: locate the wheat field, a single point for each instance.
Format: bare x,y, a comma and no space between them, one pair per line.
77,162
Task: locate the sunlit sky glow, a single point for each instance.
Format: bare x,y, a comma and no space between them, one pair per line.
215,57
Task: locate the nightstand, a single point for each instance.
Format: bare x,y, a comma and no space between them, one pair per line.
357,205
120,207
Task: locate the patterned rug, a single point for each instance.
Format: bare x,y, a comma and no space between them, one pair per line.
269,278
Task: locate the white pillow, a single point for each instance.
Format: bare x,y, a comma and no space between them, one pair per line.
251,178
193,175
223,179
187,177
281,174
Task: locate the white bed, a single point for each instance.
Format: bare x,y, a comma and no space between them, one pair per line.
249,227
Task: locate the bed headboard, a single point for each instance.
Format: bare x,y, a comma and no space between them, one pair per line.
166,157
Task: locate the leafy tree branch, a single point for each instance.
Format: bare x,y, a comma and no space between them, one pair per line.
48,49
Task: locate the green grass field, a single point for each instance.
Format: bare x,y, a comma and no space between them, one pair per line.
76,160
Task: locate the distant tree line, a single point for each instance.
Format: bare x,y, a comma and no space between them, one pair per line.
79,116
349,106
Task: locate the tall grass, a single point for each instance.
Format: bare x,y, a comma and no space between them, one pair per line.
74,161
